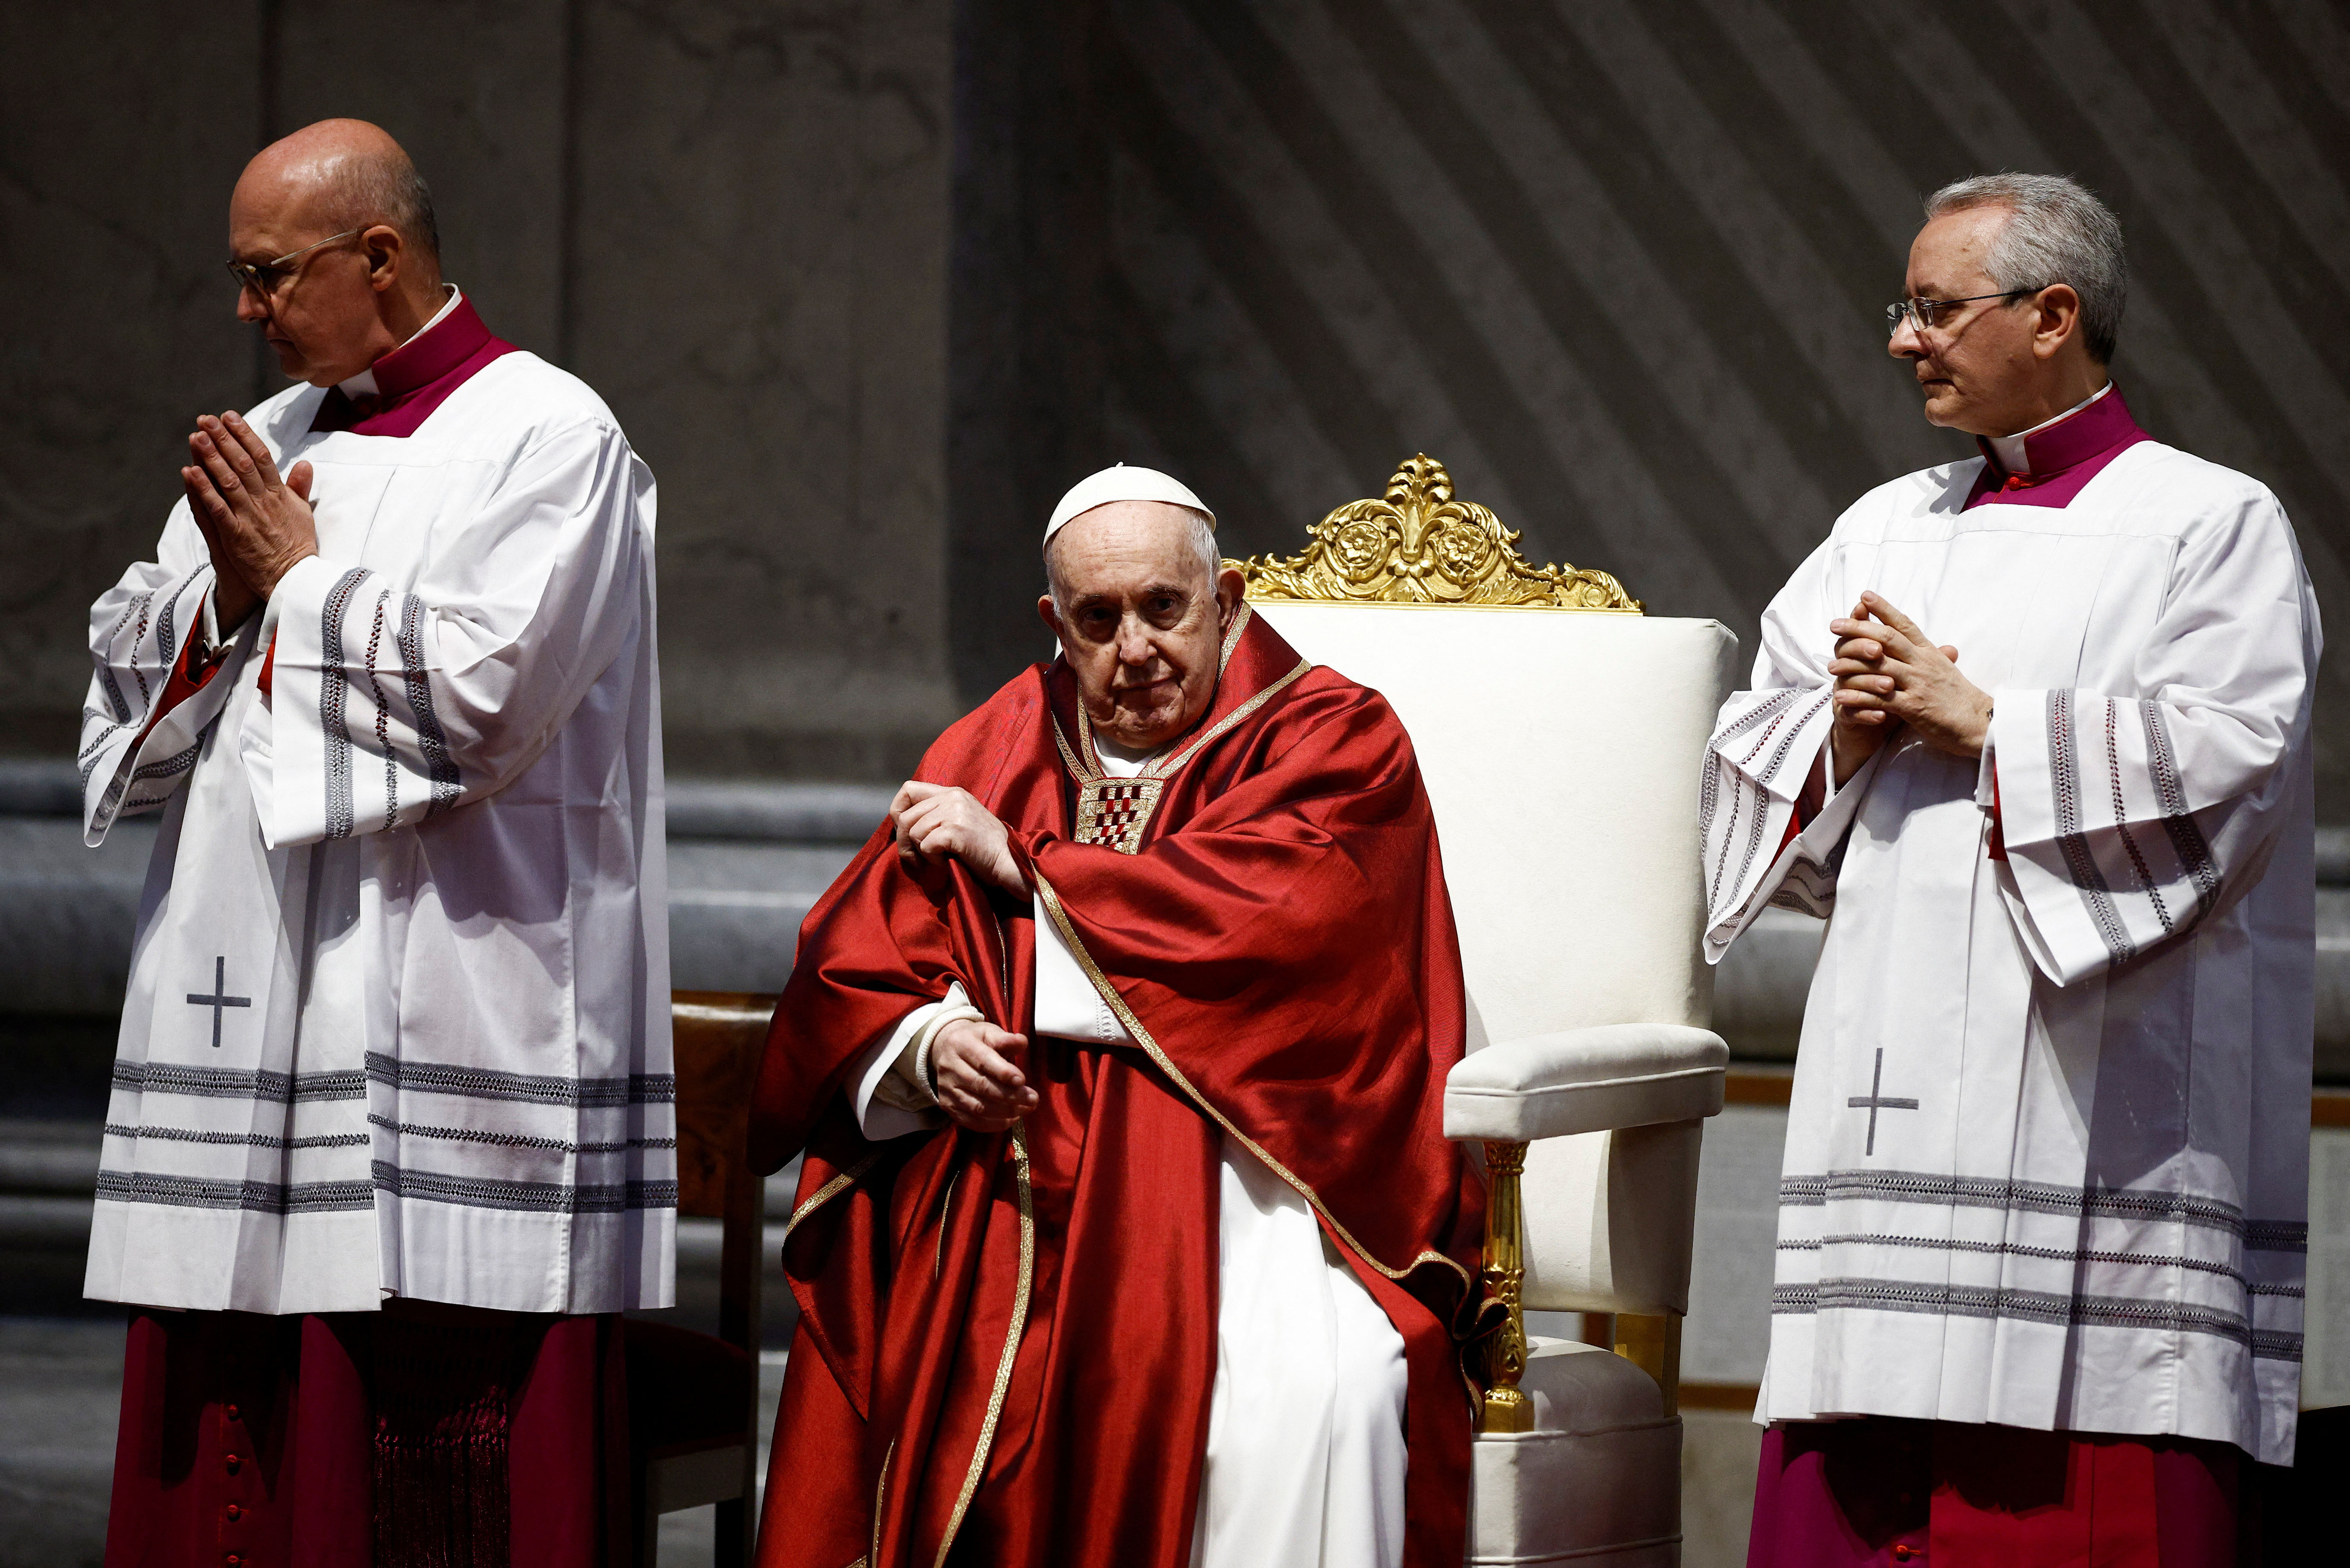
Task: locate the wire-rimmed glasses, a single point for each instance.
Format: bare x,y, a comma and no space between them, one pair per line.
266,278
1920,313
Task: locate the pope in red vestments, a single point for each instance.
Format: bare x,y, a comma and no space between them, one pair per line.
1009,1345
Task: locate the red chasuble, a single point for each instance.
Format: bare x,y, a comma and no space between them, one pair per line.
1007,1342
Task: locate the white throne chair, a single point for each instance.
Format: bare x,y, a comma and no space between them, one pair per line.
1560,732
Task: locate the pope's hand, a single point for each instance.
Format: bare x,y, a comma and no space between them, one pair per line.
936,822
258,526
1888,672
977,1068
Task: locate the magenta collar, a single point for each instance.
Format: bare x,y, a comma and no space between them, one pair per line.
2063,457
417,378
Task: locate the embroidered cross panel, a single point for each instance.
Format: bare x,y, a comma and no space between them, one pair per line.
1114,812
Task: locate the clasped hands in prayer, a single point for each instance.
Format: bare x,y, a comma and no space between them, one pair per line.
258,526
975,1065
1888,673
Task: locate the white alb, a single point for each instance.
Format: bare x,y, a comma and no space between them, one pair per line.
398,1021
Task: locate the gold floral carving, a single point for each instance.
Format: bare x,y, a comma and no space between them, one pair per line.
1418,545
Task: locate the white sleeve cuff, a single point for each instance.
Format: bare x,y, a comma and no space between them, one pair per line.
1068,1005
879,1121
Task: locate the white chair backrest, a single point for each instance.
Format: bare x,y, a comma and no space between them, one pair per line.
1562,751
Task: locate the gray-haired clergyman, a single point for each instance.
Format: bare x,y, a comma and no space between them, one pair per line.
2034,729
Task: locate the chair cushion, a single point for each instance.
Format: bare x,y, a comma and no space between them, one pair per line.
1584,1080
1599,1479
1586,1387
686,1390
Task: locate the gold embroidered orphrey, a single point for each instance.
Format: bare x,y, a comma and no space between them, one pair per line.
1420,545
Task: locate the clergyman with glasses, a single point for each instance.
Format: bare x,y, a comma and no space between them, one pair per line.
390,1143
2033,729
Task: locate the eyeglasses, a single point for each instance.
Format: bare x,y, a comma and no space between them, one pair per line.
1920,313
265,279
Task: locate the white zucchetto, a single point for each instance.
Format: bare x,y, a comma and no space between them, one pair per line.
1123,483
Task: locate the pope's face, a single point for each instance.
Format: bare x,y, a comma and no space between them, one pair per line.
1145,623
1976,364
320,315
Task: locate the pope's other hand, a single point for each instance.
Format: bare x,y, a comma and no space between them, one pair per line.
976,1067
935,822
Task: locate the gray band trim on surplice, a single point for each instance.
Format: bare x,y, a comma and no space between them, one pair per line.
542,1197
107,682
230,1083
333,686
518,1140
439,765
2121,820
2047,1255
383,715
264,1197
245,1139
2042,1198
2032,1306
2080,860
482,1083
2186,840
166,637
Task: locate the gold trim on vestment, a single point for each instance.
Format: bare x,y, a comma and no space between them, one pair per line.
1116,1003
1011,1339
1225,723
829,1191
881,1490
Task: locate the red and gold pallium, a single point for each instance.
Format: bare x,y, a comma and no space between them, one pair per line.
1007,1342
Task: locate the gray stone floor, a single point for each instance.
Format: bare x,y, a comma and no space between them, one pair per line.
60,1381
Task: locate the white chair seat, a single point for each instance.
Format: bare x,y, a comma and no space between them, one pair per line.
1597,1480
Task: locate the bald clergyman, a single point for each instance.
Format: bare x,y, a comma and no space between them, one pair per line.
390,1139
1127,1234
2033,731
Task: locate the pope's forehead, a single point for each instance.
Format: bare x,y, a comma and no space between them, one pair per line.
1122,538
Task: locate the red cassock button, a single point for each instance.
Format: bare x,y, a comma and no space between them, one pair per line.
230,1412
235,1561
232,1462
1903,1552
235,1513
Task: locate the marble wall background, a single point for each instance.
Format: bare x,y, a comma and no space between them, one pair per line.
870,282
1622,266
730,218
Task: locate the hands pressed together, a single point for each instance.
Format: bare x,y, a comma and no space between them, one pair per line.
1888,673
258,526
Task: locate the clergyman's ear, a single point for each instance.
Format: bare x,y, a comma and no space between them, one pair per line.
1050,614
2060,319
384,248
1231,589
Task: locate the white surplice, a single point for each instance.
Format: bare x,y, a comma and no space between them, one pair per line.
398,1020
2047,1157
1306,1455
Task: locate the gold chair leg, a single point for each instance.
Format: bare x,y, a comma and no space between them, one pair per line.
1653,1343
1506,1408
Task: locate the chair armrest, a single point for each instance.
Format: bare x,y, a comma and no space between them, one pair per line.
1586,1080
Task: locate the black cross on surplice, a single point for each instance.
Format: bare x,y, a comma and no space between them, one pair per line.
218,1000
1873,1100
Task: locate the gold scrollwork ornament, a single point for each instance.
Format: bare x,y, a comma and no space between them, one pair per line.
1419,544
